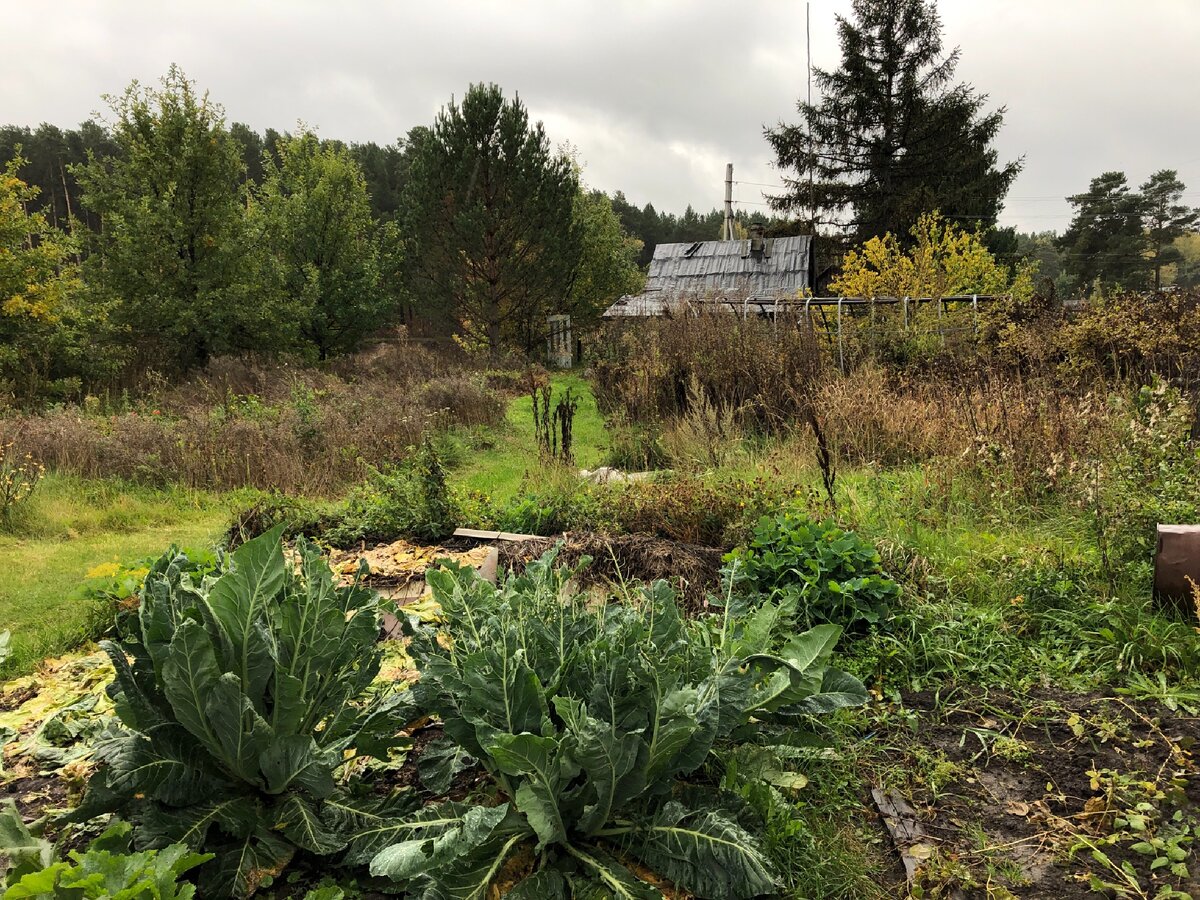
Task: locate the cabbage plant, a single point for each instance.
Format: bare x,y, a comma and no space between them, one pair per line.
591,717
107,869
242,692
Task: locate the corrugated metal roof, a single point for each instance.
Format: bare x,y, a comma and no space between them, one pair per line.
679,272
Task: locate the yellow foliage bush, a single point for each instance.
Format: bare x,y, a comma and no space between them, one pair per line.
945,261
37,277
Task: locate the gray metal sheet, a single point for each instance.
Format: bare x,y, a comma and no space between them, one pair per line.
719,268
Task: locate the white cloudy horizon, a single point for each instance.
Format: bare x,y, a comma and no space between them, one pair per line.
655,96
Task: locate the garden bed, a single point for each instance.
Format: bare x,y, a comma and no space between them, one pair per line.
1041,796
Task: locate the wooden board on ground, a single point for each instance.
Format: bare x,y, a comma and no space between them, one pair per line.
909,838
478,535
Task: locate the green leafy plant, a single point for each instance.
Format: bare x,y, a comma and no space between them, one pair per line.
411,500
107,869
1149,474
827,574
1138,818
243,692
588,718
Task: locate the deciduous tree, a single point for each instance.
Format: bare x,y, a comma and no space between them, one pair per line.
38,281
943,261
173,254
316,221
607,266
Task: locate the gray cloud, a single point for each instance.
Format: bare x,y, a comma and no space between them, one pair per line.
656,95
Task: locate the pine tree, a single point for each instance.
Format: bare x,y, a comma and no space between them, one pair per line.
1165,219
490,213
892,136
1105,241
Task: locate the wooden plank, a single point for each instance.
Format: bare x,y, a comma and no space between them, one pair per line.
909,838
478,535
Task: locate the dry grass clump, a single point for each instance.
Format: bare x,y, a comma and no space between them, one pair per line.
706,436
1032,432
653,368
870,417
242,422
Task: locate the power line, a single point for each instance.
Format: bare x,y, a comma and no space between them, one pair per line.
762,184
1041,198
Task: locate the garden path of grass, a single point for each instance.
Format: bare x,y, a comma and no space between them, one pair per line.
500,469
73,525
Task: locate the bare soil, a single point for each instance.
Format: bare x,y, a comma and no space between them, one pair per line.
1005,787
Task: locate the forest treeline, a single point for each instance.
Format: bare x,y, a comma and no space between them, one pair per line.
51,152
167,237
159,237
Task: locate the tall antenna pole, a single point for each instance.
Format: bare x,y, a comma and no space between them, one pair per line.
812,156
728,230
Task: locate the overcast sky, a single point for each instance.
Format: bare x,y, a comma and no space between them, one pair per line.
656,95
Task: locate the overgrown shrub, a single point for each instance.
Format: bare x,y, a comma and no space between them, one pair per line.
243,694
1149,473
1120,337
409,500
692,510
588,718
822,573
674,506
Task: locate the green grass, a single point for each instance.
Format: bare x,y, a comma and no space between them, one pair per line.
72,525
500,469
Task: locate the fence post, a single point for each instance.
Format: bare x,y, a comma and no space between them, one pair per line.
975,309
841,351
941,330
873,327
906,314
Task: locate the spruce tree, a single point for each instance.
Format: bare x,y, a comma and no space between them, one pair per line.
892,136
